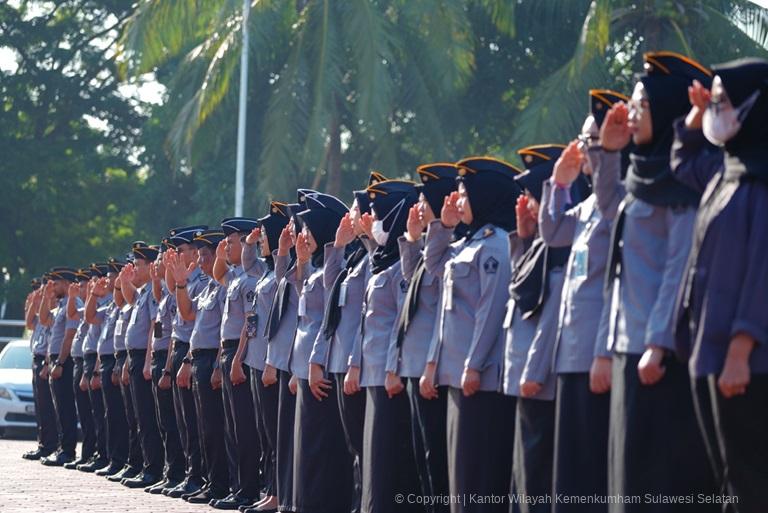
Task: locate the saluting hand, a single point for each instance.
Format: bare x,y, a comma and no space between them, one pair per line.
414,225
526,223
285,242
366,224
73,290
699,96
302,249
615,133
568,166
221,250
450,215
253,237
100,287
393,384
345,233
318,384
49,292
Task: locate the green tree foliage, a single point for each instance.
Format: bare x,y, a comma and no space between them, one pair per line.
67,138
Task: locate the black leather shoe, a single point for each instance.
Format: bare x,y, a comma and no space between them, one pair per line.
170,484
186,487
58,459
206,496
256,510
232,501
109,470
143,480
189,494
37,454
126,473
157,488
93,465
72,465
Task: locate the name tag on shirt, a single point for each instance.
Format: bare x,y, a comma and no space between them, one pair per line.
343,293
580,261
158,330
302,306
252,323
449,290
119,327
508,315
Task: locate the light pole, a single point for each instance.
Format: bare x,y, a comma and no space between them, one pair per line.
241,115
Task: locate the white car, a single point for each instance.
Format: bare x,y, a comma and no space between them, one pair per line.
17,402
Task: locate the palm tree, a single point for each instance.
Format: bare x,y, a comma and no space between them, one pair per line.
336,71
614,35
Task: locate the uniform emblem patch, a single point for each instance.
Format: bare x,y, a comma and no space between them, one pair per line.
249,296
491,265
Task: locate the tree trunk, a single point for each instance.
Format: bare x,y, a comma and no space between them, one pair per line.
333,182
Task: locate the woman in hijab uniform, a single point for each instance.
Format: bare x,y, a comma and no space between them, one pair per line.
346,271
651,406
530,329
582,361
407,354
254,352
468,351
322,467
722,323
388,465
281,330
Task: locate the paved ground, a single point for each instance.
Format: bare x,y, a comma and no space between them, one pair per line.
29,487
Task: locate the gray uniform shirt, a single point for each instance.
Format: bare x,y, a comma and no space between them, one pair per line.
196,283
106,344
476,274
334,354
656,243
256,350
94,330
121,326
310,311
166,311
139,327
239,302
79,340
209,305
383,297
409,359
583,327
38,341
530,343
279,349
60,325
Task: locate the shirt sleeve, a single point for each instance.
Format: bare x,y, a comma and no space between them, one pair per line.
606,180
333,263
437,249
410,253
750,313
494,273
659,330
694,161
557,225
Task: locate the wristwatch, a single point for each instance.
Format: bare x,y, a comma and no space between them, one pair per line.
185,360
96,374
184,286
166,372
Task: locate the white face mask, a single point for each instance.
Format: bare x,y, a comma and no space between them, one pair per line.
379,235
722,125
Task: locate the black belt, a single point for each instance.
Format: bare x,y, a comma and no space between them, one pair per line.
77,359
177,342
230,343
159,352
38,358
137,352
201,352
120,353
89,354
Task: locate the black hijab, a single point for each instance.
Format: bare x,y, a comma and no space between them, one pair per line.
390,201
666,80
322,217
